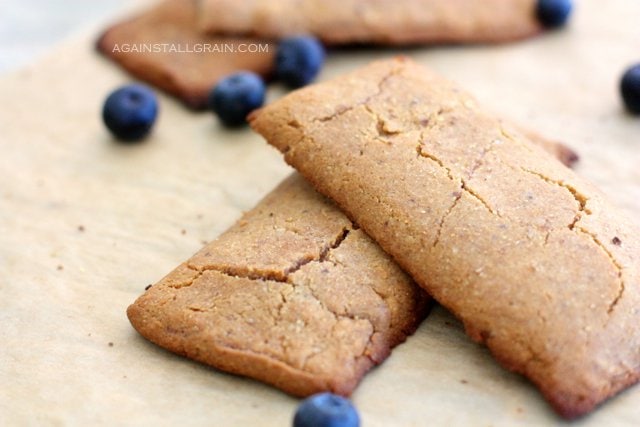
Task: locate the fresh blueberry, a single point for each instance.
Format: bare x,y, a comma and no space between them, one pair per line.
130,111
326,410
235,96
554,13
630,89
299,60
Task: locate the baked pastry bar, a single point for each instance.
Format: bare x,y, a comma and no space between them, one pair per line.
163,47
293,295
392,22
534,260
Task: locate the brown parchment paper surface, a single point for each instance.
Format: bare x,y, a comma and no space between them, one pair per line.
86,224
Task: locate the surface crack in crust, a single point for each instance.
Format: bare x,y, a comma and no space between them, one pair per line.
515,140
342,110
338,316
476,196
189,282
381,127
458,195
579,198
323,258
444,218
269,276
614,261
464,187
574,226
336,244
431,123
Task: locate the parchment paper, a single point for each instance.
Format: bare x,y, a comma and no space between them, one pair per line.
86,224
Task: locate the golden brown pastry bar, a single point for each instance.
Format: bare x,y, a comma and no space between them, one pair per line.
392,22
534,260
293,295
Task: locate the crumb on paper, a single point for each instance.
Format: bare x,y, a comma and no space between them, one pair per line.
616,241
81,228
146,288
110,344
464,382
60,267
183,231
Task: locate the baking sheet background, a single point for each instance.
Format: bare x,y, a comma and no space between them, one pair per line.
86,224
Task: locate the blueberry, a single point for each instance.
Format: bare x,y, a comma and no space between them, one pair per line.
554,13
630,89
299,60
326,410
235,96
130,111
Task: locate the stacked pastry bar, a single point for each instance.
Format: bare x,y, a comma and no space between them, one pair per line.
294,294
388,22
534,260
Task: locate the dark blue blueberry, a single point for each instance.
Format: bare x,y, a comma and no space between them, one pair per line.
630,89
299,60
235,96
326,410
554,13
130,111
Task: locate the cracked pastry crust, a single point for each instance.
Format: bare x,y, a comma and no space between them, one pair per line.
294,295
391,22
534,260
170,30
